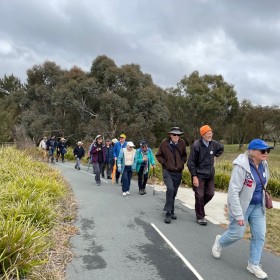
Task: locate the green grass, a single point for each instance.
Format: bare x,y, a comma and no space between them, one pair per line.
32,195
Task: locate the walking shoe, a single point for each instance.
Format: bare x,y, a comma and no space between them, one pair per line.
256,270
202,222
167,219
127,192
217,248
117,181
141,192
124,193
144,190
173,216
109,177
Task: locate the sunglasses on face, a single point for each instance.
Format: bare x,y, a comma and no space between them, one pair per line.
264,151
121,137
173,134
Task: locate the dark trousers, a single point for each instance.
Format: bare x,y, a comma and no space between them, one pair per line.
108,167
97,169
203,194
126,178
142,178
172,180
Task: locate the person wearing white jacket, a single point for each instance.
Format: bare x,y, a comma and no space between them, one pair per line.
246,204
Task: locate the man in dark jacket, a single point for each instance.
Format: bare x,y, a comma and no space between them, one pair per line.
201,167
78,152
51,147
172,155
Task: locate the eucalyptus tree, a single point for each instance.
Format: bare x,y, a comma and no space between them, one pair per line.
11,94
9,85
207,99
39,114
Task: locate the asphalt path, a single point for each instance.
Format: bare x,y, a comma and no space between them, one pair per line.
126,238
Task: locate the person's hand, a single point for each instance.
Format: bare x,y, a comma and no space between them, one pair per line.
240,222
119,170
75,155
195,181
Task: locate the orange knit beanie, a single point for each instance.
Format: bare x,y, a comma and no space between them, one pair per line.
204,129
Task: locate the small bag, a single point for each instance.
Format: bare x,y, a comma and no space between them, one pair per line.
268,200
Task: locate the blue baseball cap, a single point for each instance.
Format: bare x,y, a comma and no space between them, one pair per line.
258,144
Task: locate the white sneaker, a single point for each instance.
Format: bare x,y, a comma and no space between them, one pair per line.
217,248
127,192
124,193
256,270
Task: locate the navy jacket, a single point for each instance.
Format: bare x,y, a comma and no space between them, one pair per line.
201,159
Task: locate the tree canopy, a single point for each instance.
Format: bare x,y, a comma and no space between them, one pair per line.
111,99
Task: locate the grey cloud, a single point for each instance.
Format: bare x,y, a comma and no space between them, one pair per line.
169,39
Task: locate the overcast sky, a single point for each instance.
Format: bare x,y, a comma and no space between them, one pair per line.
239,39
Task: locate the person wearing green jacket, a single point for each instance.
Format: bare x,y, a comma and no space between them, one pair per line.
143,160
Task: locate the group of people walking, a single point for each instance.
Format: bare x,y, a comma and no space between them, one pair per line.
246,193
249,178
122,156
52,149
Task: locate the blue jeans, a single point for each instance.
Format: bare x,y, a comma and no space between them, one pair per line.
256,219
126,178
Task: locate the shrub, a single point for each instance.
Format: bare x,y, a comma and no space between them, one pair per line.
21,245
31,194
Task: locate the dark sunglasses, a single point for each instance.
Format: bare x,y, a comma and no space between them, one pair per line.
121,137
175,134
265,151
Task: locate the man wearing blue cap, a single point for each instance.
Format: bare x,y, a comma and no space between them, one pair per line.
246,204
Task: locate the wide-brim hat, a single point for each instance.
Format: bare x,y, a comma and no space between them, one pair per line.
98,136
175,130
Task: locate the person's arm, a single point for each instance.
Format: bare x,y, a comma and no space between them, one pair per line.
192,166
120,159
219,150
235,186
151,158
160,155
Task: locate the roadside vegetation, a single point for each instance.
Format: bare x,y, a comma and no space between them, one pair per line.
36,212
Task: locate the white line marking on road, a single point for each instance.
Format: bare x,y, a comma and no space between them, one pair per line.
178,253
86,172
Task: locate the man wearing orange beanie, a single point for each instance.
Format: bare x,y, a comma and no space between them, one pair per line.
201,167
